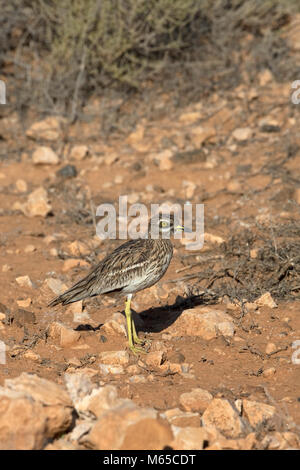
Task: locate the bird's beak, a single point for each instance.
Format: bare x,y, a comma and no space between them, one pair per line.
181,228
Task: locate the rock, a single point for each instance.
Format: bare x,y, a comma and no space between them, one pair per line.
242,134
79,152
196,400
24,281
29,249
265,77
80,430
269,372
193,438
210,238
164,160
180,418
206,322
280,441
266,300
225,417
78,385
114,357
258,413
48,129
36,205
98,401
72,263
189,188
22,423
77,248
33,410
55,285
137,379
44,156
63,335
189,117
114,326
271,348
129,427
106,369
32,356
21,186
24,317
292,32
67,171
201,134
155,359
24,303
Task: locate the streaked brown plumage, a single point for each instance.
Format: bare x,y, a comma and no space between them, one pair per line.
133,266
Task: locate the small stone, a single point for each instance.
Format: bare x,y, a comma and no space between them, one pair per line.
196,400
6,268
48,129
71,263
24,317
200,134
55,285
114,357
45,156
242,134
36,205
189,117
177,417
77,248
265,77
266,300
79,152
67,171
258,413
164,160
106,369
29,249
137,379
114,326
225,417
155,359
271,348
32,356
210,238
63,335
21,186
24,281
269,372
24,303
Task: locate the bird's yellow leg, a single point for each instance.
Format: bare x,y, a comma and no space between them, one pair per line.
135,337
130,328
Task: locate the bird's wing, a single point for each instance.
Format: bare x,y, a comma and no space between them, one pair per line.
113,273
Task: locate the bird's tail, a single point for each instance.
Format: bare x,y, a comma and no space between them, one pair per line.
77,292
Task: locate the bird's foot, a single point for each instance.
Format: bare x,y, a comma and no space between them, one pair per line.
137,350
137,340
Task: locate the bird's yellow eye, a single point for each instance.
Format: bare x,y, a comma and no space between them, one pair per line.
164,223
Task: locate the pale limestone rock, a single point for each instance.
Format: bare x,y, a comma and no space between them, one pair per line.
44,156
225,417
196,400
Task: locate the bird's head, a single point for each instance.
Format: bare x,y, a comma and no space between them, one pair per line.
164,226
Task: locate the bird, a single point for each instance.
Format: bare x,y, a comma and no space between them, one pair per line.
135,265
